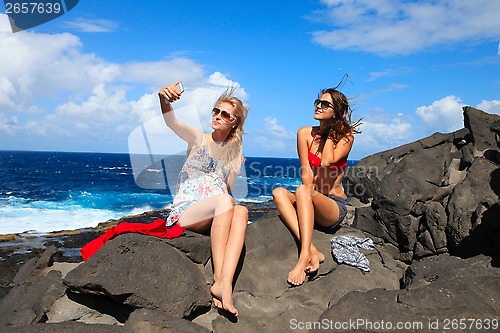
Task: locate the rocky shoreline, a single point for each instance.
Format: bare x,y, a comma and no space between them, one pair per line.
431,208
17,249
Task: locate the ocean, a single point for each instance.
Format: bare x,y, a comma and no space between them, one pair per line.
42,192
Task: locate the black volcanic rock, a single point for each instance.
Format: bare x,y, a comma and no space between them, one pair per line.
469,206
155,321
147,284
442,288
435,195
143,272
34,292
479,123
69,327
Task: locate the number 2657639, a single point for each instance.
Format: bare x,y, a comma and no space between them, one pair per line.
33,8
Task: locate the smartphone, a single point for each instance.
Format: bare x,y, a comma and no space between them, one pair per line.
180,87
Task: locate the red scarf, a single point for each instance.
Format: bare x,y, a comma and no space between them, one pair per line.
158,229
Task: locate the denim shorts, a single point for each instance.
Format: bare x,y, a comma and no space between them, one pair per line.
342,203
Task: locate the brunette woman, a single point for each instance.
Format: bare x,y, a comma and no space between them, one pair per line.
323,151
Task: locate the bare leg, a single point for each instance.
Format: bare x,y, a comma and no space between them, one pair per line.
285,201
218,214
222,288
305,214
326,214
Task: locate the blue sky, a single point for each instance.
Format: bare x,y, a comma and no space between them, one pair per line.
86,80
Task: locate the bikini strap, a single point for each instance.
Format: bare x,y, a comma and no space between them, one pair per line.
312,141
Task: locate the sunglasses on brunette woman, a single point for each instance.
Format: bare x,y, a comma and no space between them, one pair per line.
324,104
224,115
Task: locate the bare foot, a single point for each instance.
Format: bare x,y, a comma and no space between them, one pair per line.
223,296
216,303
297,275
316,259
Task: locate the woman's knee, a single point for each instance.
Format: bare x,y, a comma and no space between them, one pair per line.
303,190
241,211
224,201
279,193
240,215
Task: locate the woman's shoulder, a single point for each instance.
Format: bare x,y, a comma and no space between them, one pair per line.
349,137
306,130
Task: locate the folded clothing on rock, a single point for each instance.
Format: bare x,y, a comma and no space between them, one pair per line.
345,250
158,229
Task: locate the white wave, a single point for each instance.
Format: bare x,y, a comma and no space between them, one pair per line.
18,215
140,210
154,170
259,199
115,168
20,219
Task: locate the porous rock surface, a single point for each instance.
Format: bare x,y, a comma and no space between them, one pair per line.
437,195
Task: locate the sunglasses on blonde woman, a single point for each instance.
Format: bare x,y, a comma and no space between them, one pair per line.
224,115
323,104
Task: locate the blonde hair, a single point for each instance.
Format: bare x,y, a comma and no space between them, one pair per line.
233,145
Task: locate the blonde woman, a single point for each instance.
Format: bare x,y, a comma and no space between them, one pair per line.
320,200
202,202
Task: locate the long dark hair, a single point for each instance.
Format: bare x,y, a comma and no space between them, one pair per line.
340,125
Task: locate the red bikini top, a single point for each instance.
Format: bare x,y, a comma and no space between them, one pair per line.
315,160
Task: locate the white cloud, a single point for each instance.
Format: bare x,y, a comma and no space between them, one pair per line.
278,131
145,107
219,79
92,25
374,76
49,87
7,92
392,87
445,115
98,115
490,106
160,73
42,65
404,27
274,136
382,133
8,125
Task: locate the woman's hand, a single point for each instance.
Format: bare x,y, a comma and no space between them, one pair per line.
170,92
333,153
192,135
